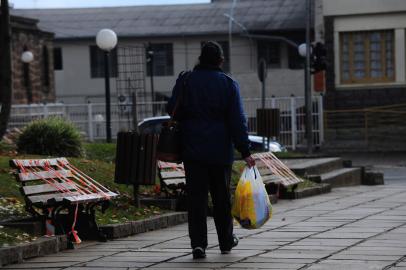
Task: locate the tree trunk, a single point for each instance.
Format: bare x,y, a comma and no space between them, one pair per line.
5,67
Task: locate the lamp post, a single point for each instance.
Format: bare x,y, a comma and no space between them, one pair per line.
27,57
305,51
150,60
106,40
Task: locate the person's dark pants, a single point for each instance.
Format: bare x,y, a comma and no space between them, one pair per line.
201,178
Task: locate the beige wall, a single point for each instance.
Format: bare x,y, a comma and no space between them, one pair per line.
74,85
349,7
396,22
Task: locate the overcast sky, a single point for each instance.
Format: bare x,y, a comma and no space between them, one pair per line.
94,3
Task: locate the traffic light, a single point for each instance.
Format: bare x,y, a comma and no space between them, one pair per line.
318,58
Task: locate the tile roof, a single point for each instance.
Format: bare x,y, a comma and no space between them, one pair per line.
170,20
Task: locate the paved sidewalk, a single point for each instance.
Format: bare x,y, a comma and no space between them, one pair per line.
360,227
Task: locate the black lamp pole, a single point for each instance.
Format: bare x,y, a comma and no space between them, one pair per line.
308,90
107,94
27,82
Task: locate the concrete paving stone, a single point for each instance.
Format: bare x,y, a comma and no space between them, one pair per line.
212,258
168,245
310,230
311,248
348,265
98,268
389,258
381,252
268,265
195,264
148,253
280,234
326,242
47,259
111,264
261,259
288,254
31,265
342,235
86,253
174,268
325,224
141,259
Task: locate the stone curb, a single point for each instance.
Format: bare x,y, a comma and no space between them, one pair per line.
50,245
114,231
307,192
40,247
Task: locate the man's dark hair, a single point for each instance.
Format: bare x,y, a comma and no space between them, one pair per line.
211,54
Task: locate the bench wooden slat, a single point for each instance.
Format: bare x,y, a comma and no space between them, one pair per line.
169,165
90,197
175,181
38,162
172,174
23,177
44,198
46,188
74,197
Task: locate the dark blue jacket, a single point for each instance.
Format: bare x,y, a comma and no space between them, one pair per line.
211,116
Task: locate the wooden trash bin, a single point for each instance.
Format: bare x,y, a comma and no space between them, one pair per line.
136,158
268,122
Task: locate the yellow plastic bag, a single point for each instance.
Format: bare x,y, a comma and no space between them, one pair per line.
251,207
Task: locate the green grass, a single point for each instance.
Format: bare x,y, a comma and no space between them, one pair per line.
100,151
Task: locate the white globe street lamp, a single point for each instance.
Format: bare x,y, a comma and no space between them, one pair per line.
27,57
302,49
106,40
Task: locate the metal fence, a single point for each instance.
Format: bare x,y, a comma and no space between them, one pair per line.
90,117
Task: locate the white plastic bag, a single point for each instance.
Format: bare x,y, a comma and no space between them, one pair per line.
251,207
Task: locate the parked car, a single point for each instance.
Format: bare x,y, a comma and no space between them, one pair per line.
154,124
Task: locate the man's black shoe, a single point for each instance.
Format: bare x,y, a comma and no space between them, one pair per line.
234,244
198,253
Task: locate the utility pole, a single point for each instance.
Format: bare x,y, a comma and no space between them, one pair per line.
230,31
308,90
5,67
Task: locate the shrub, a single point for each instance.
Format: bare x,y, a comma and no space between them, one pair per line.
53,136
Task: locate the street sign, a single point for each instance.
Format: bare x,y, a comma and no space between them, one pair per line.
262,70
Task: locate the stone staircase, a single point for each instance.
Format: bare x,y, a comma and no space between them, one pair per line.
331,170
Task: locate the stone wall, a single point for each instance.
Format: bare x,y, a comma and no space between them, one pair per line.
26,36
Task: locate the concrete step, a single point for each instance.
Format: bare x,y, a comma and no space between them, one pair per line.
304,167
342,177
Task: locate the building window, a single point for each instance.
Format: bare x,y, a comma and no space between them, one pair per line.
271,52
226,52
367,57
58,59
97,62
162,59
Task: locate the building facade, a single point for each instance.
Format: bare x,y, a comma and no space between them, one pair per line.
175,34
365,42
365,97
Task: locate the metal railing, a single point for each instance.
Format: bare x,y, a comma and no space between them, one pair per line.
90,117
